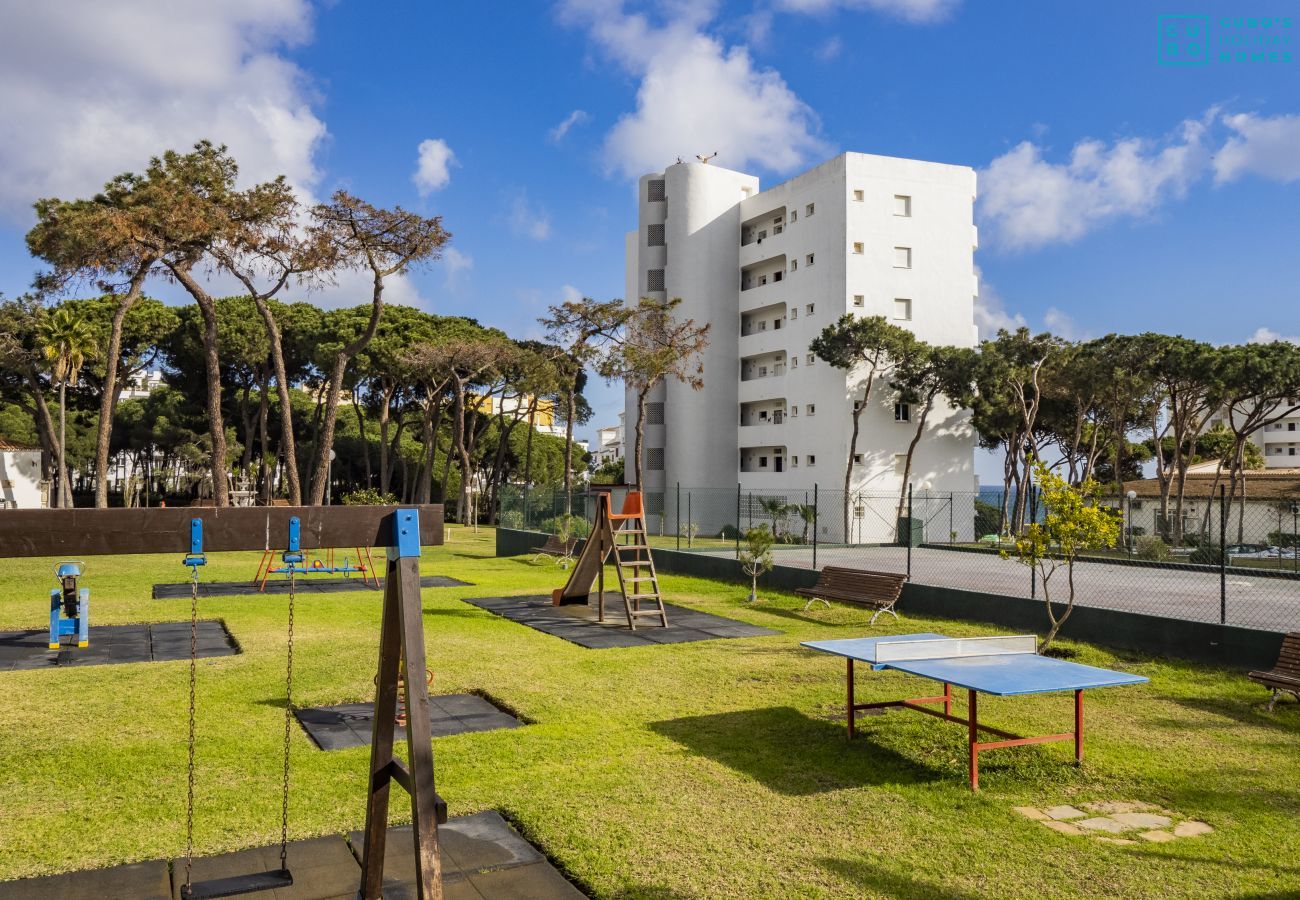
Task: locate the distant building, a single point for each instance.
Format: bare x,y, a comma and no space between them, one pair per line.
1271,504
609,442
1278,442
545,420
141,384
21,486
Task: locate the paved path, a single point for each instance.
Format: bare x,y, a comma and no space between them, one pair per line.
1253,601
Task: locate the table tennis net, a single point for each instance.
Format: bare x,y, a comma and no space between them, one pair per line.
947,648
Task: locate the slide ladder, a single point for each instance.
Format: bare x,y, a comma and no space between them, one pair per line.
622,536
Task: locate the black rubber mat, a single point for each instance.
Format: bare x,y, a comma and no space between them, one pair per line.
280,585
349,724
109,644
577,623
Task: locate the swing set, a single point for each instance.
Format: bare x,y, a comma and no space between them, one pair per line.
293,562
28,533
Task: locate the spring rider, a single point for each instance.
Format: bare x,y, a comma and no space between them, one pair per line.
69,605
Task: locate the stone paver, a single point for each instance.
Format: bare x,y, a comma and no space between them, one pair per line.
1103,823
1142,820
1063,813
1110,807
1157,837
1191,829
1031,812
1111,840
1063,827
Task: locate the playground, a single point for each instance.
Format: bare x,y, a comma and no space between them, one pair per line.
710,768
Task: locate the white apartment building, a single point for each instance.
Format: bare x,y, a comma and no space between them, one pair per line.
861,234
609,442
1279,441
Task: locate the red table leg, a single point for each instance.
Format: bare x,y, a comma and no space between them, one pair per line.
849,681
973,735
947,699
1078,727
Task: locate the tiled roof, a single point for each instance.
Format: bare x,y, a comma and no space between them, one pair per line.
1267,484
6,444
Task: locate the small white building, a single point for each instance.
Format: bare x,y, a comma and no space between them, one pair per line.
609,442
860,234
1279,441
21,486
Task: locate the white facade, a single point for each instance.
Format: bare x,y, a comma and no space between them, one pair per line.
1279,442
860,234
20,477
609,443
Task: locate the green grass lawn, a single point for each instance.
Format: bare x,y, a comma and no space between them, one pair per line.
707,770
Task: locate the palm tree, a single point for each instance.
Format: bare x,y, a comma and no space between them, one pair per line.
807,512
777,510
66,340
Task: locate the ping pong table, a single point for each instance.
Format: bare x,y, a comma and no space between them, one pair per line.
1003,666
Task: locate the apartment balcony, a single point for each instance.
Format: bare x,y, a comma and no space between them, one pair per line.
774,293
763,459
771,434
1286,431
753,390
762,249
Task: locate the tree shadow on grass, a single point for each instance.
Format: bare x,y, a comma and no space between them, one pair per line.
1285,716
868,874
791,753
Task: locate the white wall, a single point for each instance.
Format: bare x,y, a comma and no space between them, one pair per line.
20,479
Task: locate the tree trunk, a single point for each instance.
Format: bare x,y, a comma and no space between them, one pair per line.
911,450
572,401
212,368
387,390
108,400
637,460
263,427
462,452
336,384
853,449
65,490
274,338
361,430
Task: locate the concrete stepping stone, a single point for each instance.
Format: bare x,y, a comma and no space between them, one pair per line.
1031,812
1142,820
1103,823
1063,827
1157,837
1063,813
1191,829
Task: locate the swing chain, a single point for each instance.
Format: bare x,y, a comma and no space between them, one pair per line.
288,728
189,803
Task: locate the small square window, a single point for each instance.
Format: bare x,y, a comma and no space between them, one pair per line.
794,362
858,248
902,257
794,462
794,216
902,412
811,308
812,460
794,313
808,260
762,462
794,265
812,409
859,300
858,196
794,410
776,324
776,276
903,310
809,209
902,205
762,326
811,357
857,459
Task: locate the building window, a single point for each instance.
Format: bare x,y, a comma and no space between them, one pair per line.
902,412
776,276
762,462
811,357
762,326
794,313
858,196
857,459
794,216
857,405
654,280
858,248
762,371
776,229
654,413
812,307
812,460
794,265
900,463
776,324
859,300
655,236
1290,426
809,259
812,409
902,205
810,209
903,309
654,459
794,410
794,361
655,190
794,462
902,257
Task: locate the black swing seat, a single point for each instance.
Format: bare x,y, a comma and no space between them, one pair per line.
235,885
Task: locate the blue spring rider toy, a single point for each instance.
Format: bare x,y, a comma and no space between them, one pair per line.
69,605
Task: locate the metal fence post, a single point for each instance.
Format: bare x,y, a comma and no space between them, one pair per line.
816,523
909,531
690,522
678,504
952,534
737,520
1223,555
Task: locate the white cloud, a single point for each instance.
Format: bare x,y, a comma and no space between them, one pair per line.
916,11
433,166
1264,335
90,89
570,294
1263,146
454,262
695,95
991,315
577,117
527,220
1062,324
1027,202
829,50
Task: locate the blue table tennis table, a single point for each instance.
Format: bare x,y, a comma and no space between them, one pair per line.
1003,666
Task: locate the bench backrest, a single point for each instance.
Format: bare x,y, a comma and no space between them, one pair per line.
1288,660
554,543
874,585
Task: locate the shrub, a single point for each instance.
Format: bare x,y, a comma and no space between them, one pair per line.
730,533
511,518
566,527
1152,548
368,497
1207,555
1283,539
756,556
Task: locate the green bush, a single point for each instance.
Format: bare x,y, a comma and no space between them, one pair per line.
988,518
368,497
1283,539
1207,555
576,527
729,533
1152,548
511,518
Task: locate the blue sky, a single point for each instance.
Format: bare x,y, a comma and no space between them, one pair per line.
1117,194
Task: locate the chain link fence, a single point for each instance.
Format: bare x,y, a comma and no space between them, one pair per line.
1234,561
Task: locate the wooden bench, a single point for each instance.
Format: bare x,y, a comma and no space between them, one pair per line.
879,590
559,548
1284,677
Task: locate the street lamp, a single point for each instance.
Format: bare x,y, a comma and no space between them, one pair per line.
1295,544
1132,495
